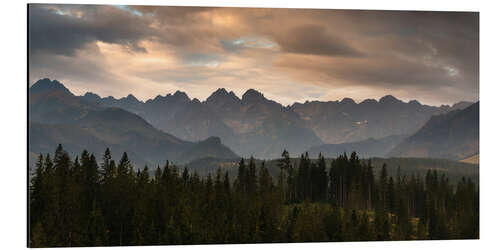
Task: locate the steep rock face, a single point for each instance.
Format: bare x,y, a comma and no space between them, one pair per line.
252,96
252,125
223,101
454,135
59,117
51,102
46,85
263,128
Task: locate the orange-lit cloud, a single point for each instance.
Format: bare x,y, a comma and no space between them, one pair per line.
289,54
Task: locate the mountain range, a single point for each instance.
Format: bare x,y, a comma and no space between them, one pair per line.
224,126
259,127
348,121
56,116
251,126
453,135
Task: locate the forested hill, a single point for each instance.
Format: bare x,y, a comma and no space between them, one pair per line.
454,170
56,116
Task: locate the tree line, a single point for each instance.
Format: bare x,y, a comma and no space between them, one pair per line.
82,203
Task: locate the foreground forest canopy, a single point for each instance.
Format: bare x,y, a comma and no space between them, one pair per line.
78,202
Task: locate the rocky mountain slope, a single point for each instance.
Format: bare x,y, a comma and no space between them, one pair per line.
56,116
454,135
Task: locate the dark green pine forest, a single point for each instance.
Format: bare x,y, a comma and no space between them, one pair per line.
75,201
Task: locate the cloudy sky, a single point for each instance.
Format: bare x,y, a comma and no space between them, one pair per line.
288,54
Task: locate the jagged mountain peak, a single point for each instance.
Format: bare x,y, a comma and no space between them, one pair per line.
348,100
179,95
369,101
221,96
46,84
157,98
91,95
251,96
389,99
131,97
415,102
109,98
220,91
195,100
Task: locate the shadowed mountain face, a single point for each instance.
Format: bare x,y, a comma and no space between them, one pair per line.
345,121
50,102
252,125
454,135
255,125
59,117
175,114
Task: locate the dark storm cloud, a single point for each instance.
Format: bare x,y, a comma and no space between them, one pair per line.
79,70
53,29
380,71
448,38
401,50
314,39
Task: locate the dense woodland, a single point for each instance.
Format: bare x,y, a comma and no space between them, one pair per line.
78,202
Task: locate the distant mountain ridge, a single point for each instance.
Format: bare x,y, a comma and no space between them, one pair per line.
252,126
259,127
346,121
454,135
45,85
56,116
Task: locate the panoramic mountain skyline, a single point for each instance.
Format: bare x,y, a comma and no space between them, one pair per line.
185,95
290,55
258,126
251,126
